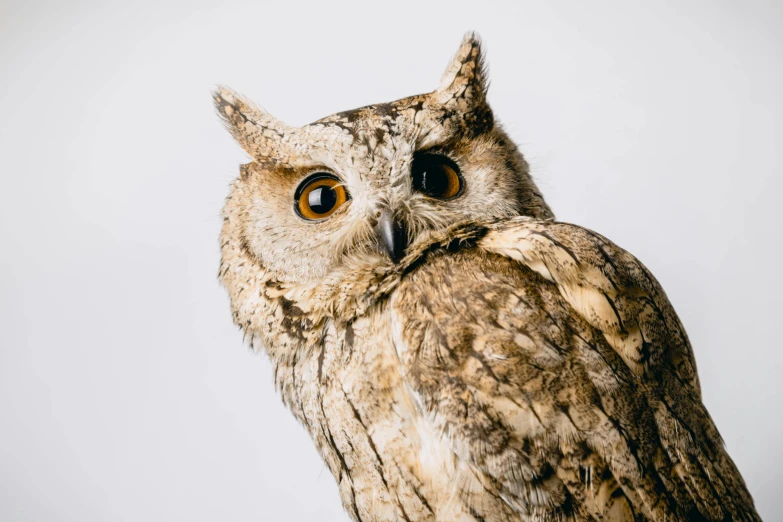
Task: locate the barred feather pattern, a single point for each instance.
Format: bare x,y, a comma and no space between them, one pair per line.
515,370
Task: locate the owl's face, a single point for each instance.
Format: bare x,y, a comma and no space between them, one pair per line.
361,186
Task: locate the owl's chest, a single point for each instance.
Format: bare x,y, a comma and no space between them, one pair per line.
350,394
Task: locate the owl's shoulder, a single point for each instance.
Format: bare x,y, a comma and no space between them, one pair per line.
544,349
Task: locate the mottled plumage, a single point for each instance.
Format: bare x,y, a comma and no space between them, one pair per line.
508,367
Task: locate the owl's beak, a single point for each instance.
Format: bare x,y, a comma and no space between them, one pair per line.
392,235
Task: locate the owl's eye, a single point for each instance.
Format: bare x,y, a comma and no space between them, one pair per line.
436,176
319,196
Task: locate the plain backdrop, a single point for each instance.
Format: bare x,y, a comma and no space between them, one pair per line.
126,394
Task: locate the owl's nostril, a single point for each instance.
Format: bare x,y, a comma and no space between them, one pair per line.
392,235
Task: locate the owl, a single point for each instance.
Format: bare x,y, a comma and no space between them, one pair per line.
454,352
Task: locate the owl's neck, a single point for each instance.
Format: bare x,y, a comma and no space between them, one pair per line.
285,317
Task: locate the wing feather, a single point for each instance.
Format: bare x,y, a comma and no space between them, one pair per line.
555,365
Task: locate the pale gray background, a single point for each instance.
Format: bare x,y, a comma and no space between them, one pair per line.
125,391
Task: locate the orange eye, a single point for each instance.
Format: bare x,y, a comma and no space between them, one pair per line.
319,196
436,176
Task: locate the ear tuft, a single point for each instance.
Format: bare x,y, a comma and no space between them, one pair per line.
466,75
257,131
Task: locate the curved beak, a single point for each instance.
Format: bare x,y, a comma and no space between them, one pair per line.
393,235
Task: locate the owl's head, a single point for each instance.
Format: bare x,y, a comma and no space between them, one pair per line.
362,186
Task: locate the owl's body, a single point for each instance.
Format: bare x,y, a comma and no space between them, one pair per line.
456,354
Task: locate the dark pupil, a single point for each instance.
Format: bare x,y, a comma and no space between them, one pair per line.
322,199
429,177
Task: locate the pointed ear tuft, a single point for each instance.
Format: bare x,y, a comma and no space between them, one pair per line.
466,76
257,131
